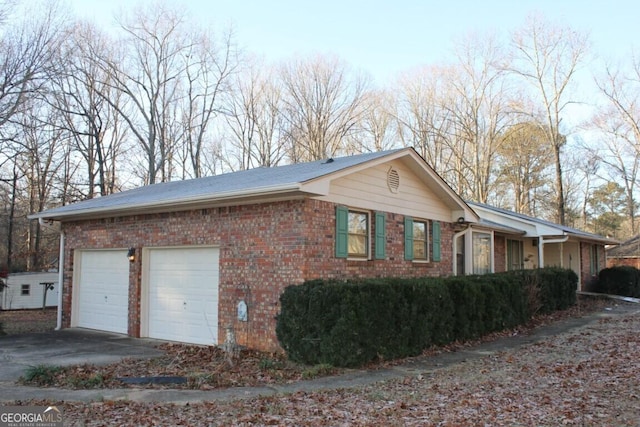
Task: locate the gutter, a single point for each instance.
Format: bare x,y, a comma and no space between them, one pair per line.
44,224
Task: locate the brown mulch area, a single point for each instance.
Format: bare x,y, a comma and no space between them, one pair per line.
586,377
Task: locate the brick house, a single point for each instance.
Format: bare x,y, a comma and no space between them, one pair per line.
626,254
185,260
521,241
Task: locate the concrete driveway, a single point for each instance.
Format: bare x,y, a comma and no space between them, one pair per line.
68,347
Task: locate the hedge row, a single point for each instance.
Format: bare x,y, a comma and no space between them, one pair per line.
351,323
622,280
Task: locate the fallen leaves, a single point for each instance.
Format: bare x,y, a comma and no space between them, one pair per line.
586,377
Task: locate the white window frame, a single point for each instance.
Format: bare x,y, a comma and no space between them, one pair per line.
367,254
427,258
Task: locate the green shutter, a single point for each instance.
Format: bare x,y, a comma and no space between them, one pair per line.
435,241
342,231
408,238
381,238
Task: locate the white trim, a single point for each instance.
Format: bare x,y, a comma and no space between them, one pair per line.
368,256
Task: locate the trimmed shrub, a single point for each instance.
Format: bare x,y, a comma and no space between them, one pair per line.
351,323
621,280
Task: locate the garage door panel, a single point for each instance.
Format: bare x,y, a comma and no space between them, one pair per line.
183,294
103,288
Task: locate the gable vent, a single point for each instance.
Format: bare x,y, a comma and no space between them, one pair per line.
393,180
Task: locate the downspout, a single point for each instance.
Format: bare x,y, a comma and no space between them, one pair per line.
60,271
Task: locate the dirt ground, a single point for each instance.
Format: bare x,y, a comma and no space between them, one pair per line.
587,377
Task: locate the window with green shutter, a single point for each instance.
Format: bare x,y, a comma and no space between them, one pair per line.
381,236
352,233
408,238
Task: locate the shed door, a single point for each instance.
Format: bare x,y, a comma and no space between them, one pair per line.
102,300
183,294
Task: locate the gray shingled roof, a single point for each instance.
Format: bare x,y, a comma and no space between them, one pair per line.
563,228
260,179
627,249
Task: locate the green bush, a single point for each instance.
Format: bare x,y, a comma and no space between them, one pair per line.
622,280
351,323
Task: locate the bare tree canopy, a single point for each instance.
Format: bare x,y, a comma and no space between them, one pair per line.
85,113
548,57
323,103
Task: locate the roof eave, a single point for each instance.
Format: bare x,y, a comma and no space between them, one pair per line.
266,194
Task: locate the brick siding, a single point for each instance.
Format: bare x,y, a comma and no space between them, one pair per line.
263,248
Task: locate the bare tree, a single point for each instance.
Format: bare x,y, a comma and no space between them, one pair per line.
209,64
255,119
147,73
547,57
26,49
480,111
38,152
423,122
619,124
80,88
377,123
323,104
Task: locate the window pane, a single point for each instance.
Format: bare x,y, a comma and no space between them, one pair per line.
357,245
481,253
419,240
514,255
357,223
358,233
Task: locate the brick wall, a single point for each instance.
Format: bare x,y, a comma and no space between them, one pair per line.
499,253
626,262
263,249
585,263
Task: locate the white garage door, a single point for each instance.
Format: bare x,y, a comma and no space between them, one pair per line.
183,294
103,289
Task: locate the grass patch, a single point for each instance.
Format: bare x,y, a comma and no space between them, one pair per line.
267,363
93,381
316,371
41,375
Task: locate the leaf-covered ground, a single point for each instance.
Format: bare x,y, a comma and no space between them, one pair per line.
196,367
586,377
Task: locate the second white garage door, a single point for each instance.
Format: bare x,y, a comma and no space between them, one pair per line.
183,294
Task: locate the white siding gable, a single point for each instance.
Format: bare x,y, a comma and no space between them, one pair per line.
369,189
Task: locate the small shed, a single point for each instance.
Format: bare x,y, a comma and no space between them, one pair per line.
28,290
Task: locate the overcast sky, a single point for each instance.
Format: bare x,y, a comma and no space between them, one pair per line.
385,37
